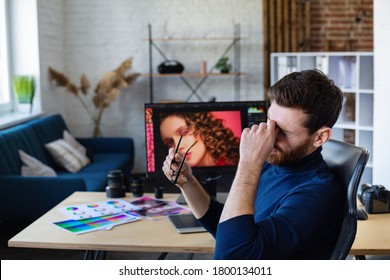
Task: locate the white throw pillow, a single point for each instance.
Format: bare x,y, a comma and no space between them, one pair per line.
66,155
73,142
34,167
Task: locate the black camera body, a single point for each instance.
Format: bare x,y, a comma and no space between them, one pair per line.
375,198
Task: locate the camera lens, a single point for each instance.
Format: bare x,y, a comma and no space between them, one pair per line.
115,179
158,192
362,193
137,186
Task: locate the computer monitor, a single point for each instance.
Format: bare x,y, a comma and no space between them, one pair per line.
216,125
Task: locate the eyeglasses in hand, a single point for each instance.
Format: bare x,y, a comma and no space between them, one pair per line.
175,174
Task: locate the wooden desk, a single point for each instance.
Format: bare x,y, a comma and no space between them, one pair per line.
141,236
373,236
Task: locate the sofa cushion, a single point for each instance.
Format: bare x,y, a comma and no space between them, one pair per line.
105,162
74,143
33,167
66,156
94,181
95,173
48,129
21,137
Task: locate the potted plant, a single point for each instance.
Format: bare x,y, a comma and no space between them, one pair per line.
223,65
24,89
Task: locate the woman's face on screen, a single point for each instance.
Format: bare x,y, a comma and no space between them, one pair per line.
171,128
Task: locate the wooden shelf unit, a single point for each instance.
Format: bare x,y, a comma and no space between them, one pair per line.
353,72
236,73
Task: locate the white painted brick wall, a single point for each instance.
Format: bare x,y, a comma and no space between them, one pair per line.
94,36
51,50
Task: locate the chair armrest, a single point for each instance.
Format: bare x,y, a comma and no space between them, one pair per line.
108,145
24,199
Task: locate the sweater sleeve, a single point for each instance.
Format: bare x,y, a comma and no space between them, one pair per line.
305,220
237,238
211,219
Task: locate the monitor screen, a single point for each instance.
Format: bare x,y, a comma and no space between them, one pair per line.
216,126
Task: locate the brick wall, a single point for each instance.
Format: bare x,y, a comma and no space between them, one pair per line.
51,50
340,25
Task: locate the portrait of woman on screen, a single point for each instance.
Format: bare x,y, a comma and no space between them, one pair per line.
216,145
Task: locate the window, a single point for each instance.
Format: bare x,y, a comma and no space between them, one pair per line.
5,92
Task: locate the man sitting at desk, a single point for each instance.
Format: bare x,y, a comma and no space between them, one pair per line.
284,202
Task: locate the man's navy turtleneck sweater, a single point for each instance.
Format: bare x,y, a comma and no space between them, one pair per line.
298,213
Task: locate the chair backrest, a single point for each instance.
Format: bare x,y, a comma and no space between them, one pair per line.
347,162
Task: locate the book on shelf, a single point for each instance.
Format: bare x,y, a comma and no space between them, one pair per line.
286,65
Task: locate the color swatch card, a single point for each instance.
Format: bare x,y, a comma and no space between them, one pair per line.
96,223
98,209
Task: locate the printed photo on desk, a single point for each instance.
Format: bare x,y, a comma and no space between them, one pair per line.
155,209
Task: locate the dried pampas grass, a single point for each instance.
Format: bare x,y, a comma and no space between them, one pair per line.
107,90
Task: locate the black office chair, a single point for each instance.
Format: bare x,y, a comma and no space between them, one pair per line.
347,162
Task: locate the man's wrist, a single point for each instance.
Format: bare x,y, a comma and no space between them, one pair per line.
246,169
189,181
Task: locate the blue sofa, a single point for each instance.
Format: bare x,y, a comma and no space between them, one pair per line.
24,199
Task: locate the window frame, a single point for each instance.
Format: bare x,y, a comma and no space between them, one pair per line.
5,66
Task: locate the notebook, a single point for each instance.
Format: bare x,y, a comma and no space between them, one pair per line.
186,223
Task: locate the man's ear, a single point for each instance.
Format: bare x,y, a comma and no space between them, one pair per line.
322,135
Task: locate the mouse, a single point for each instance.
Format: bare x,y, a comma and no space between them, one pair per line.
362,214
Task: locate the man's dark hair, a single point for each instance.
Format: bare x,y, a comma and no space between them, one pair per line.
312,92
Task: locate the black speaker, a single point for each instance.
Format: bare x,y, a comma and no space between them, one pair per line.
170,67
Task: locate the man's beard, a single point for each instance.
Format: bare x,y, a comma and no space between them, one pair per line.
283,158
